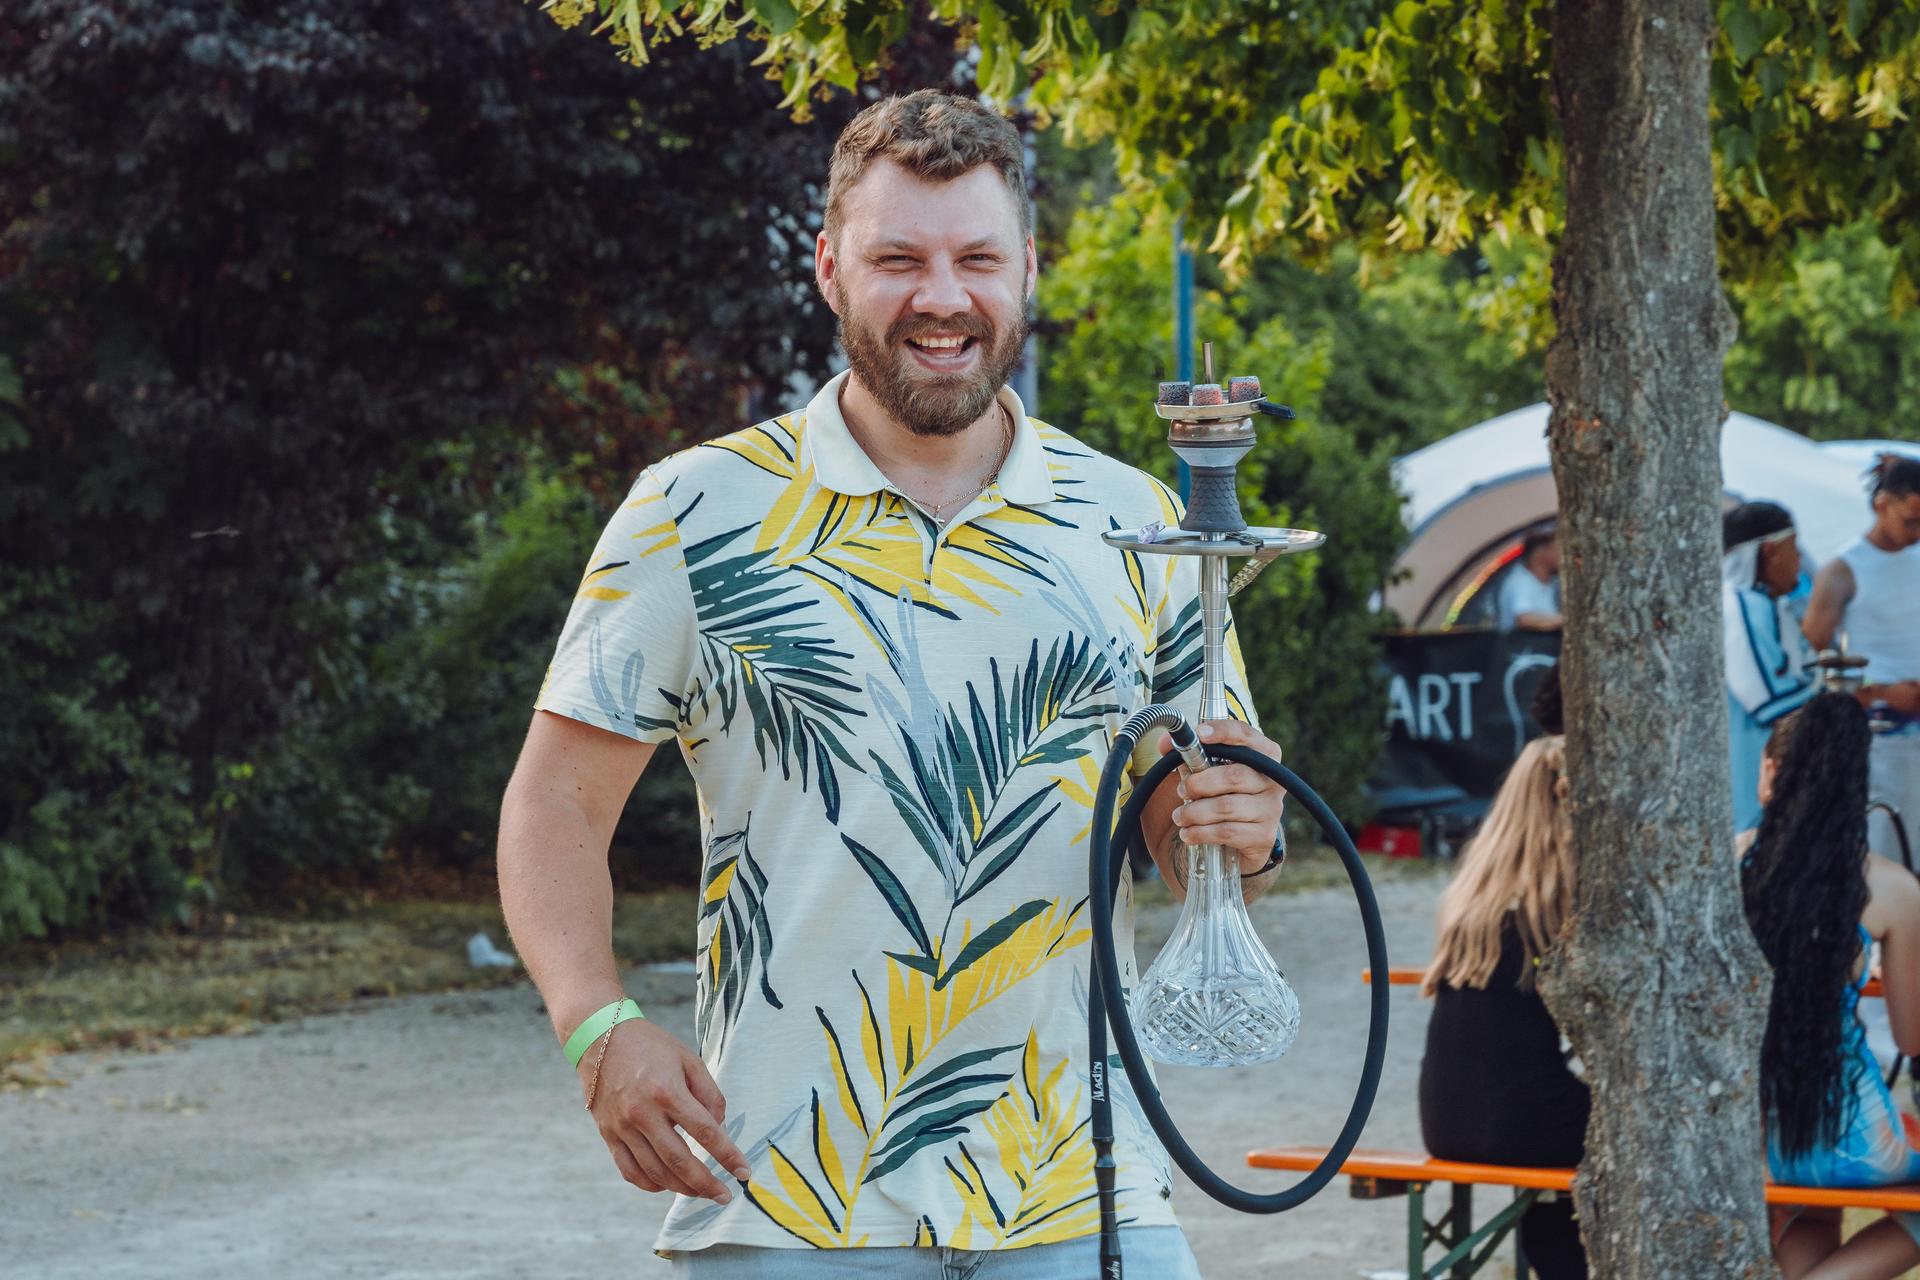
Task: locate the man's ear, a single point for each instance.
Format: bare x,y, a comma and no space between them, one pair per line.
825,268
1033,269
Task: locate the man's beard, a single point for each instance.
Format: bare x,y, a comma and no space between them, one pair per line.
930,404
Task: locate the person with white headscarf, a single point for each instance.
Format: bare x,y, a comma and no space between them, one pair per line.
1769,667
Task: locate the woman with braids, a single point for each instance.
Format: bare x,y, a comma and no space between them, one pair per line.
1817,902
1496,1086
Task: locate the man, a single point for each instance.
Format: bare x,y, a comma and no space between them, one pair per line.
1768,670
1870,595
1529,596
892,647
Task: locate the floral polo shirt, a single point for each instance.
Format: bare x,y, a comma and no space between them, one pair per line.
896,731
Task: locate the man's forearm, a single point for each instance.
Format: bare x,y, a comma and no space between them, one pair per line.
558,899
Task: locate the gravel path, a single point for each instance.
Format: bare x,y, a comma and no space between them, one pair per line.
441,1136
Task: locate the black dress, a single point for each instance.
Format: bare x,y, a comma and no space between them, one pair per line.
1495,1089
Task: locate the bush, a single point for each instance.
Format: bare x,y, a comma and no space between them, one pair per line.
293,291
413,757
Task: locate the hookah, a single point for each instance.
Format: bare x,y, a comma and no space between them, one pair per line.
1214,997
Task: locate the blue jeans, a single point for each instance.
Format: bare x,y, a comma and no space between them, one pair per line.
1152,1253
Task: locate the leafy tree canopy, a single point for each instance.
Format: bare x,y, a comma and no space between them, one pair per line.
288,293
1421,122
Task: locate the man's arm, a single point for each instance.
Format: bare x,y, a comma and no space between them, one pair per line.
556,823
1827,607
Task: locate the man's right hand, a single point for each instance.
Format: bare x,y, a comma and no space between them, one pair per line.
649,1083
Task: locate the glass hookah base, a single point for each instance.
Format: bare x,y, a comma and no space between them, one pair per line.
1217,1022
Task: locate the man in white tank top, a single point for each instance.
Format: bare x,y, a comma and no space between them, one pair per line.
1870,594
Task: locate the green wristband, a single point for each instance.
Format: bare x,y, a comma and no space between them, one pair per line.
598,1023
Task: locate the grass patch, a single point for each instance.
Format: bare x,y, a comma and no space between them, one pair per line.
150,986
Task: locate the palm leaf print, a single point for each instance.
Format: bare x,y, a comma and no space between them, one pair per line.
1045,1166
774,446
1178,659
660,537
739,945
960,763
870,540
1065,456
895,1093
760,650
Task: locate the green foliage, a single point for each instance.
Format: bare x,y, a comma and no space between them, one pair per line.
1828,344
93,811
1396,124
1825,347
1370,375
290,293
413,757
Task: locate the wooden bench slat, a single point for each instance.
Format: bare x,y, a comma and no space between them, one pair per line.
1414,1166
1414,975
1417,1166
1399,976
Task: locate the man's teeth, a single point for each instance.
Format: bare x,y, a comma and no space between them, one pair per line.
939,344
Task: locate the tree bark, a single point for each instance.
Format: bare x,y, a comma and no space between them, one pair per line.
1659,984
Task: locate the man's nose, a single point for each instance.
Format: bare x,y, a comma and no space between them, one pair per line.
942,292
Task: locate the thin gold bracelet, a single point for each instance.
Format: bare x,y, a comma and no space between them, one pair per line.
606,1039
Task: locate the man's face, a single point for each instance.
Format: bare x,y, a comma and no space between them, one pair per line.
1780,565
1547,557
930,283
1899,518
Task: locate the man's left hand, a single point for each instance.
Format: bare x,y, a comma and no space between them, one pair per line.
1229,804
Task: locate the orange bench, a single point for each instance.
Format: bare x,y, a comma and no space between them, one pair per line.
1413,976
1376,1175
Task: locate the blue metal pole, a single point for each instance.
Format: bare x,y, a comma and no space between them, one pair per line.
1182,324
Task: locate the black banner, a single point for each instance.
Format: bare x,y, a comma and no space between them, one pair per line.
1456,716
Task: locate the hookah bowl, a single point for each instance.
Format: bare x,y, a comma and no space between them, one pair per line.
1214,997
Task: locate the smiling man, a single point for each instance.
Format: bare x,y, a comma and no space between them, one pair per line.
891,645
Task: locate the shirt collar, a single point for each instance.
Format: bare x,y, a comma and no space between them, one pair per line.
840,464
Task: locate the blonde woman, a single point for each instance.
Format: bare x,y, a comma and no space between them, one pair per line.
1495,1086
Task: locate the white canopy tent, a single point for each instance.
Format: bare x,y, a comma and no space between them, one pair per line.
1470,497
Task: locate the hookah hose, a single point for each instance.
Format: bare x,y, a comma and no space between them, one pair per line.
1106,1002
1899,830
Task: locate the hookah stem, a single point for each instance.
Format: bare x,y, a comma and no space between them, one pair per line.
1210,860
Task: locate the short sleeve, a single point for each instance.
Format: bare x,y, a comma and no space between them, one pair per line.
1179,658
626,653
1521,593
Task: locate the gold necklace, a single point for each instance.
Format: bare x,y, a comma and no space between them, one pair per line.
938,510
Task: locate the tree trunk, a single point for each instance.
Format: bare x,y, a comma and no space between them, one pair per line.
1659,985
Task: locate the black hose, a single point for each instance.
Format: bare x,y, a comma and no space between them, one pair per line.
1899,830
1107,1001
